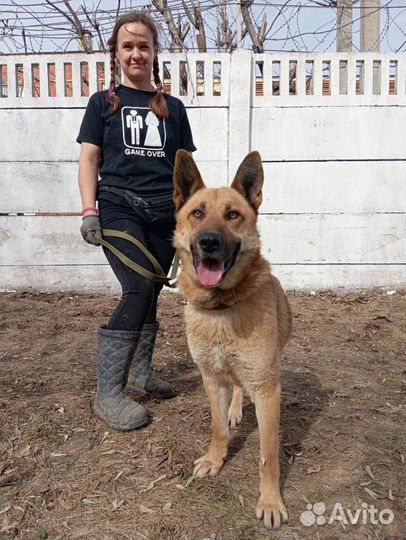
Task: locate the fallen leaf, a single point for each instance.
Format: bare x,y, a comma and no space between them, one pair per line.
241,499
116,504
57,454
371,493
189,481
145,510
152,484
118,476
166,507
384,317
24,452
6,509
108,453
368,469
6,528
314,469
88,501
65,504
106,435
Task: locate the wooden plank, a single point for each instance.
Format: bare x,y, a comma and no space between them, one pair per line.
294,239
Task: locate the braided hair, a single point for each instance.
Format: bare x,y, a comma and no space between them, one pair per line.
158,104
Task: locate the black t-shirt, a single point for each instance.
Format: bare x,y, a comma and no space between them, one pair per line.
138,148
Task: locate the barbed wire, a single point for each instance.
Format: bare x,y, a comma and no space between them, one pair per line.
36,26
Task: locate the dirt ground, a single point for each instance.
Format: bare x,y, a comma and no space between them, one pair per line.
63,474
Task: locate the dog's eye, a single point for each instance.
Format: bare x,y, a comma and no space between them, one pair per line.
197,214
233,214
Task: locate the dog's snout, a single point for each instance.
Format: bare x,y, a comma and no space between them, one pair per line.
210,242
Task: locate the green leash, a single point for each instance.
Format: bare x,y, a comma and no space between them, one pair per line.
160,275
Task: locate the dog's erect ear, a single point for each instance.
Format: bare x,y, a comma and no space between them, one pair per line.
186,178
249,179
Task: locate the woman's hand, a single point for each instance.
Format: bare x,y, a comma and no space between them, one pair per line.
91,227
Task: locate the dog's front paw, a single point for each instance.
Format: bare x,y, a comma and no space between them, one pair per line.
234,416
207,465
272,513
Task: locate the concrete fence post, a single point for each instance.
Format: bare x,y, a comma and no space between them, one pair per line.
239,120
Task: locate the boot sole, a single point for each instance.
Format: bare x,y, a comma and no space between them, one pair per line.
136,390
122,427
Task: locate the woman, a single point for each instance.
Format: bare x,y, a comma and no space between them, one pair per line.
129,137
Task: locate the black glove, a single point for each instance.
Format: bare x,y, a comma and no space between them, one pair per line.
90,228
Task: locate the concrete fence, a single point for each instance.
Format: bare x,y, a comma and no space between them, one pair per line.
330,129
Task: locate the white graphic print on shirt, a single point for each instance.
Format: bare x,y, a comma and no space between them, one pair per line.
144,133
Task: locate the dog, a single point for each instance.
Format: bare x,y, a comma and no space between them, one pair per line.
238,319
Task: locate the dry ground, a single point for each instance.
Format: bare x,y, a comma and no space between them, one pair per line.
63,474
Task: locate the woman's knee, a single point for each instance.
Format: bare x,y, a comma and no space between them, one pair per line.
140,295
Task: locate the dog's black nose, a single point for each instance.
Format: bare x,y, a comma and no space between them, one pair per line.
210,242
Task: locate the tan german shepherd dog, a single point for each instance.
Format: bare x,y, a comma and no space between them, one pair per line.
238,318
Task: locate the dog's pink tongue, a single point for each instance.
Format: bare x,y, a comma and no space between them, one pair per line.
210,274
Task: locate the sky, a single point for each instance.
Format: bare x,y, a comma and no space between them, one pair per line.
301,26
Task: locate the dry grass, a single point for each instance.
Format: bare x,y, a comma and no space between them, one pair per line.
64,475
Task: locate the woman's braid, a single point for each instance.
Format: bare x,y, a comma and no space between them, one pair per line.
158,104
157,78
112,96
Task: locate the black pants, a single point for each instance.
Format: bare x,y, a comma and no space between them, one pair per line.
138,304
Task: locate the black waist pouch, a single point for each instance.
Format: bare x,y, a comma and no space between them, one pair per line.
155,208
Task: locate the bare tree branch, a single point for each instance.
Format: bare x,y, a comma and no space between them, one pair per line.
257,37
166,12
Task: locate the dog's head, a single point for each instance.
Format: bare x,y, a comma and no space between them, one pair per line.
216,230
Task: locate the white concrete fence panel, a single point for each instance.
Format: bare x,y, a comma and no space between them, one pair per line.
330,129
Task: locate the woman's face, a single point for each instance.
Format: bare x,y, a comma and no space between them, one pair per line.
135,53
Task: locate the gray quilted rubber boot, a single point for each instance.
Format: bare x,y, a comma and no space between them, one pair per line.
115,351
141,378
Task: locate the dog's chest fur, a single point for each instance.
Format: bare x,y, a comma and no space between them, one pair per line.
212,341
224,343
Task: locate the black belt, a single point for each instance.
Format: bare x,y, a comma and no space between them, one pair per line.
136,200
